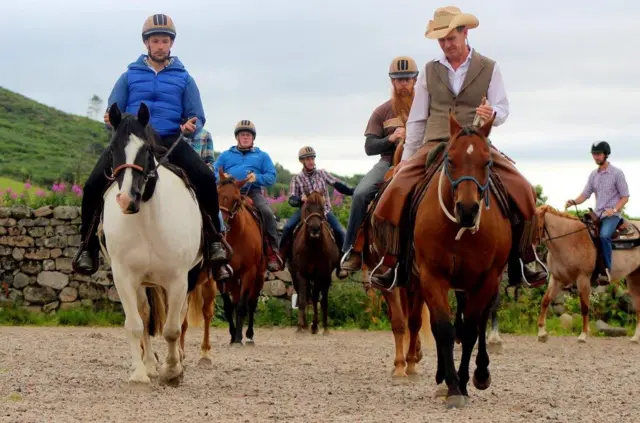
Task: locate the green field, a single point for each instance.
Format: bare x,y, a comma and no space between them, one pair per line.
17,186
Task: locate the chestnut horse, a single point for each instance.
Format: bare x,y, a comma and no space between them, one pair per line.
248,261
406,310
473,265
314,256
571,259
201,307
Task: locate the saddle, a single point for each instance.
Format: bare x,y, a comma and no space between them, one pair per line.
625,237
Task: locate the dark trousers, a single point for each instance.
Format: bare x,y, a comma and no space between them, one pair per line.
183,156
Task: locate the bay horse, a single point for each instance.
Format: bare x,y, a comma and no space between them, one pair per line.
240,292
473,265
314,256
153,227
406,309
571,260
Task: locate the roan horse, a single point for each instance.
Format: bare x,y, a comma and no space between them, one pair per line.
248,261
154,235
571,259
314,256
406,310
473,265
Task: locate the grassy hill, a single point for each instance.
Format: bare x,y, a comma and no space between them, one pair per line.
46,144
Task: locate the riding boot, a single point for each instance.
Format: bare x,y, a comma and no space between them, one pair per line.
520,255
275,262
387,278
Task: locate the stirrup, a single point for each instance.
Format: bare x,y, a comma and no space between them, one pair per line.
395,275
345,256
537,259
523,278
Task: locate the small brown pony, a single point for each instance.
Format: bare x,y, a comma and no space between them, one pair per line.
314,257
406,310
201,306
248,261
571,259
473,265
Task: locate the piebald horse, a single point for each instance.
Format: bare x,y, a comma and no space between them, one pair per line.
153,228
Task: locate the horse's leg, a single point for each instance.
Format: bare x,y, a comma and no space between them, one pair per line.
253,305
172,370
148,357
414,354
495,342
325,305
315,297
302,285
552,290
208,303
584,289
434,291
633,283
127,286
482,376
228,314
461,301
243,304
398,327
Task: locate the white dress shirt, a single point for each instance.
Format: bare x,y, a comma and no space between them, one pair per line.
417,120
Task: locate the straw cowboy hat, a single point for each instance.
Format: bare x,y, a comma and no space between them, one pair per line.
446,19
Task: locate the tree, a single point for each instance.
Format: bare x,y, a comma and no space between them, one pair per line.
540,198
95,107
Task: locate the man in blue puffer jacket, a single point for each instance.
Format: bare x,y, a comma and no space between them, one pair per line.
173,99
242,160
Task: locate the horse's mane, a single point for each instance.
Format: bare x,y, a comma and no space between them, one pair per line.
315,197
128,126
435,152
546,208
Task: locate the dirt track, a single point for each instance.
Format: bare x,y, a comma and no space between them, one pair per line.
79,375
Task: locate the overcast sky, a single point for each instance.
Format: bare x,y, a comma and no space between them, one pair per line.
313,71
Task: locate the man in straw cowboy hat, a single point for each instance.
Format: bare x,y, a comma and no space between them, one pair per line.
385,130
459,80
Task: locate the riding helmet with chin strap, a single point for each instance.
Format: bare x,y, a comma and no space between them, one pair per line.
305,152
158,24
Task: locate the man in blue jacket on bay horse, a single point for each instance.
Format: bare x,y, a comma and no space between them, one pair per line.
246,160
172,96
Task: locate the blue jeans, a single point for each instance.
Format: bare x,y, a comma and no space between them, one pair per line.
607,228
293,221
223,227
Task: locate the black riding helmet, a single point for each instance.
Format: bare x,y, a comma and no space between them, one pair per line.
601,147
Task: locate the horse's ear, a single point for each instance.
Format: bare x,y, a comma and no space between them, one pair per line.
115,117
241,183
486,128
454,125
143,114
221,173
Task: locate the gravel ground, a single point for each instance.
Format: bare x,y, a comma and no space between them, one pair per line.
79,375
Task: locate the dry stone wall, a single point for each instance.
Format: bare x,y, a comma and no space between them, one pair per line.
36,250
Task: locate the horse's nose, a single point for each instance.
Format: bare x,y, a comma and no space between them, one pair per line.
129,202
467,213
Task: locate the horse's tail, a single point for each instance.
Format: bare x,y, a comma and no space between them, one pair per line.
194,313
156,296
426,328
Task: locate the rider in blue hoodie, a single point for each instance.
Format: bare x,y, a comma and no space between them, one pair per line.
242,160
172,96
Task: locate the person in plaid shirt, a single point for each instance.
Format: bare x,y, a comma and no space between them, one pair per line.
305,182
612,193
202,143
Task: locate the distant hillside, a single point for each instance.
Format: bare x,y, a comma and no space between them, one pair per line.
44,143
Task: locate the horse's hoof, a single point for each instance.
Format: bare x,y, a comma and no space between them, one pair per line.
140,376
441,392
582,338
634,340
314,330
481,384
235,344
543,337
152,372
457,401
326,332
205,362
172,376
249,343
